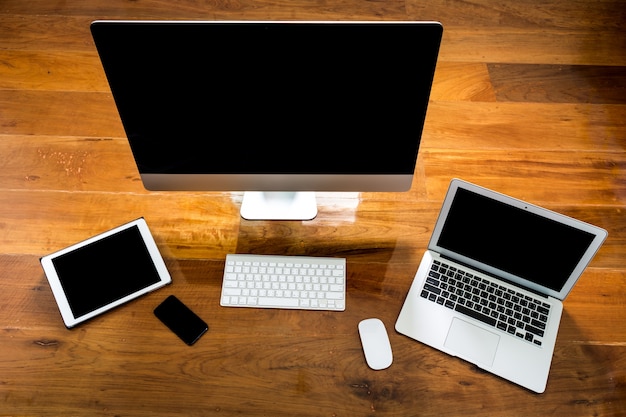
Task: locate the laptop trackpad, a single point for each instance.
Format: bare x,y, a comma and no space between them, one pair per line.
472,342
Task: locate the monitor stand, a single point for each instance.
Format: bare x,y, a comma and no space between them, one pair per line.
277,205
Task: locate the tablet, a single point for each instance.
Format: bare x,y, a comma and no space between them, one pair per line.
102,272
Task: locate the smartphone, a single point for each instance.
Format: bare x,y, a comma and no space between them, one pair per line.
181,320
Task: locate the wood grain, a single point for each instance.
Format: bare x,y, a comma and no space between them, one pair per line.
528,99
559,83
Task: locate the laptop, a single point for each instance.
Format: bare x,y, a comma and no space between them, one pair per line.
490,287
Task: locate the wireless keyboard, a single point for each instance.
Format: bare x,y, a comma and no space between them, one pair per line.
295,282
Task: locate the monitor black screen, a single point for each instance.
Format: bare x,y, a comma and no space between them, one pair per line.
271,106
286,97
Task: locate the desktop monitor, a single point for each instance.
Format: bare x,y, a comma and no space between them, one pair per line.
278,110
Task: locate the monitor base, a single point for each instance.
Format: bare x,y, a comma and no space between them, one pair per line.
278,205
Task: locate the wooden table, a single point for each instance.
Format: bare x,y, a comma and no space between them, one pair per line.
529,99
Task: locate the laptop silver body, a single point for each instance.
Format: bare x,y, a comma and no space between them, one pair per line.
490,287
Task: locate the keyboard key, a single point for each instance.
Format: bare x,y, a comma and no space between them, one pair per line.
278,302
476,315
534,330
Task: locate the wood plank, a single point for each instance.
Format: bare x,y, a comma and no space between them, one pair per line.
208,226
535,176
221,10
523,14
522,46
189,225
559,83
39,70
528,32
462,81
209,238
49,32
524,126
68,163
592,309
27,112
307,389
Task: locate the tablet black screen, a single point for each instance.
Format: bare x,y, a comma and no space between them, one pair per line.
105,271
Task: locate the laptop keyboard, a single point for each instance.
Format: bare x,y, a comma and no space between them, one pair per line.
487,301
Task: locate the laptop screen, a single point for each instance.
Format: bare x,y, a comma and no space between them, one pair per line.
513,239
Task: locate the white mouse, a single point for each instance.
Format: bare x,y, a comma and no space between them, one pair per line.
376,346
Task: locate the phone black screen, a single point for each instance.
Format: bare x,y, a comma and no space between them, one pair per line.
181,320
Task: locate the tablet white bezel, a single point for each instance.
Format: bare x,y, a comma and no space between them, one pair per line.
60,296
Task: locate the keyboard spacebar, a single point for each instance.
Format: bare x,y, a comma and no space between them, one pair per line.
475,314
278,302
